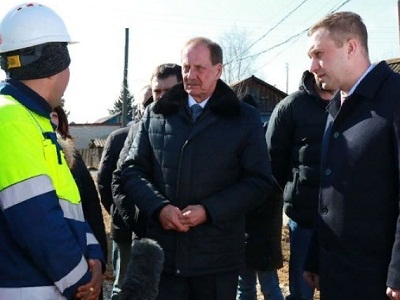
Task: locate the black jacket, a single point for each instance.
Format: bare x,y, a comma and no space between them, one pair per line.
90,201
128,211
112,148
264,234
219,161
294,137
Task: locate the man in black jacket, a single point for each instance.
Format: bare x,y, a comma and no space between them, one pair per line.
195,174
294,137
126,221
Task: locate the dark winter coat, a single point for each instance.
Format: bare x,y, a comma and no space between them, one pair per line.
357,243
129,212
90,201
294,137
264,234
115,141
219,161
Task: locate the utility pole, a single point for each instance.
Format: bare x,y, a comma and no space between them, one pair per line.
125,81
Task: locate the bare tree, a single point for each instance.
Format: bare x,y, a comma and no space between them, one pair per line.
236,47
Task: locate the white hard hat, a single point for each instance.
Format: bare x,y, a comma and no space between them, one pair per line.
31,24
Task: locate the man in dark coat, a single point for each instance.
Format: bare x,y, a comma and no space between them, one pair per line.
294,138
195,177
126,220
355,252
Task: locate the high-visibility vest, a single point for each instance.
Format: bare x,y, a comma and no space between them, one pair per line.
50,250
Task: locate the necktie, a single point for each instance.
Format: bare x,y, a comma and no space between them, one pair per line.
196,111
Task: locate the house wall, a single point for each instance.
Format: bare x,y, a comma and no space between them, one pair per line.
83,134
265,95
91,157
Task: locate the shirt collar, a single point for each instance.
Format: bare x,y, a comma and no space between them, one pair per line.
191,101
359,80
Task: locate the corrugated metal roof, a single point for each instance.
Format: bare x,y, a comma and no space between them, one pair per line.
394,64
98,143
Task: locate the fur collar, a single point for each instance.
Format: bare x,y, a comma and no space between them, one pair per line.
223,101
68,149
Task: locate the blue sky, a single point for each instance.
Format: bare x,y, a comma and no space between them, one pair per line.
158,29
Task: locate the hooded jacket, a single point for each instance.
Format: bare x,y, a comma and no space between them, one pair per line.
294,138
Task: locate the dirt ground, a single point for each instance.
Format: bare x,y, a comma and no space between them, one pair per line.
282,273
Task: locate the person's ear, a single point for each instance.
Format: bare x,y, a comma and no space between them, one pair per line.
352,46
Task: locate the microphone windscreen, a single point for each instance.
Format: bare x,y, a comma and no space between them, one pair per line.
143,271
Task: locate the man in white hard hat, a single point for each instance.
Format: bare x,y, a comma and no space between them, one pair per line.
48,250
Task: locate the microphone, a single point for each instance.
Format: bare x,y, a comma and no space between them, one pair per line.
143,271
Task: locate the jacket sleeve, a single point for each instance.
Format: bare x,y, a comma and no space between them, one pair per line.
125,204
90,202
104,175
279,136
145,194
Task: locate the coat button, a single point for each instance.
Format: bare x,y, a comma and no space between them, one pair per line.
324,210
178,271
328,172
336,135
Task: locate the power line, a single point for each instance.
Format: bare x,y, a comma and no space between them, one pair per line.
280,22
291,38
264,35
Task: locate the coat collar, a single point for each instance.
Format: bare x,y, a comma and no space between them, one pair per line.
223,101
365,91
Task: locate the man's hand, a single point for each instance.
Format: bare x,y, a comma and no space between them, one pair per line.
194,215
171,218
312,279
91,290
393,294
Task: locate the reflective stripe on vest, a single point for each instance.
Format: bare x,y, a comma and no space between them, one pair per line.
70,278
72,211
91,239
31,293
25,190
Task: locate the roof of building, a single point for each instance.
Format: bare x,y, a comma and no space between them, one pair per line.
107,118
258,81
97,143
394,64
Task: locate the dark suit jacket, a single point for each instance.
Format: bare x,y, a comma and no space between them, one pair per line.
356,249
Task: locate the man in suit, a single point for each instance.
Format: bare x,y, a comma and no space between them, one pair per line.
124,221
355,252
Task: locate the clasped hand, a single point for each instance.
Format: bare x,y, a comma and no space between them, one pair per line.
172,218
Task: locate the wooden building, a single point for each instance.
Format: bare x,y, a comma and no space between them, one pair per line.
266,95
